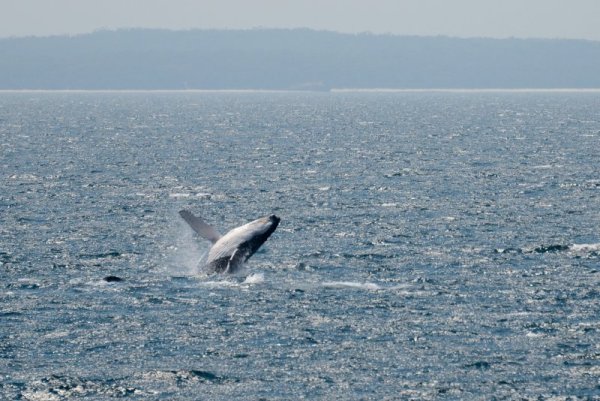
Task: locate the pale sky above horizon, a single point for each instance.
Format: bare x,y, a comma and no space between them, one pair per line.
572,19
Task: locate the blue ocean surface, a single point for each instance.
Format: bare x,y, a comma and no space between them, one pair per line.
433,245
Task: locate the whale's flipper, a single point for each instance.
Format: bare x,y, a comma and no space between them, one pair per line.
235,261
203,229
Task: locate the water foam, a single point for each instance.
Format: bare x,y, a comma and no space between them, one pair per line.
255,278
585,248
351,284
232,281
555,248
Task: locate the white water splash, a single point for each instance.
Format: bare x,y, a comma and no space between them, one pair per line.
185,252
255,278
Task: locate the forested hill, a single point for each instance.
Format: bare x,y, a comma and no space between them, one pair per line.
291,59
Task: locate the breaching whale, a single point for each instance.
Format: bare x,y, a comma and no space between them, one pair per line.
230,251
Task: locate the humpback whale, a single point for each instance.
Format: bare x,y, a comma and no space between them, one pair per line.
230,251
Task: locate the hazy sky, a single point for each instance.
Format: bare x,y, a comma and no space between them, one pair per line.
463,18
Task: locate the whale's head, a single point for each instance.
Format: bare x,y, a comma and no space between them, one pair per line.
274,220
261,226
258,231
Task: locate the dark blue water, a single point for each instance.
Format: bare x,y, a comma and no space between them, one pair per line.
432,246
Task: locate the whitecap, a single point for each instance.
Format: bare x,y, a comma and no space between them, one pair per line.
351,284
585,248
35,395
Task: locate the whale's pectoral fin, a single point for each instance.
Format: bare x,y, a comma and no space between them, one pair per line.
203,229
235,261
231,264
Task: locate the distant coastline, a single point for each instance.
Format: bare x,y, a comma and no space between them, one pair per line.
469,90
294,59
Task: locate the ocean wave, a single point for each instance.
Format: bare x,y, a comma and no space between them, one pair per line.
577,249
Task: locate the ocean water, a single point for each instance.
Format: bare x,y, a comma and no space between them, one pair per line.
432,246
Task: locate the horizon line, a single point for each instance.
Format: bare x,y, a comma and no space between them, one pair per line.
330,90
